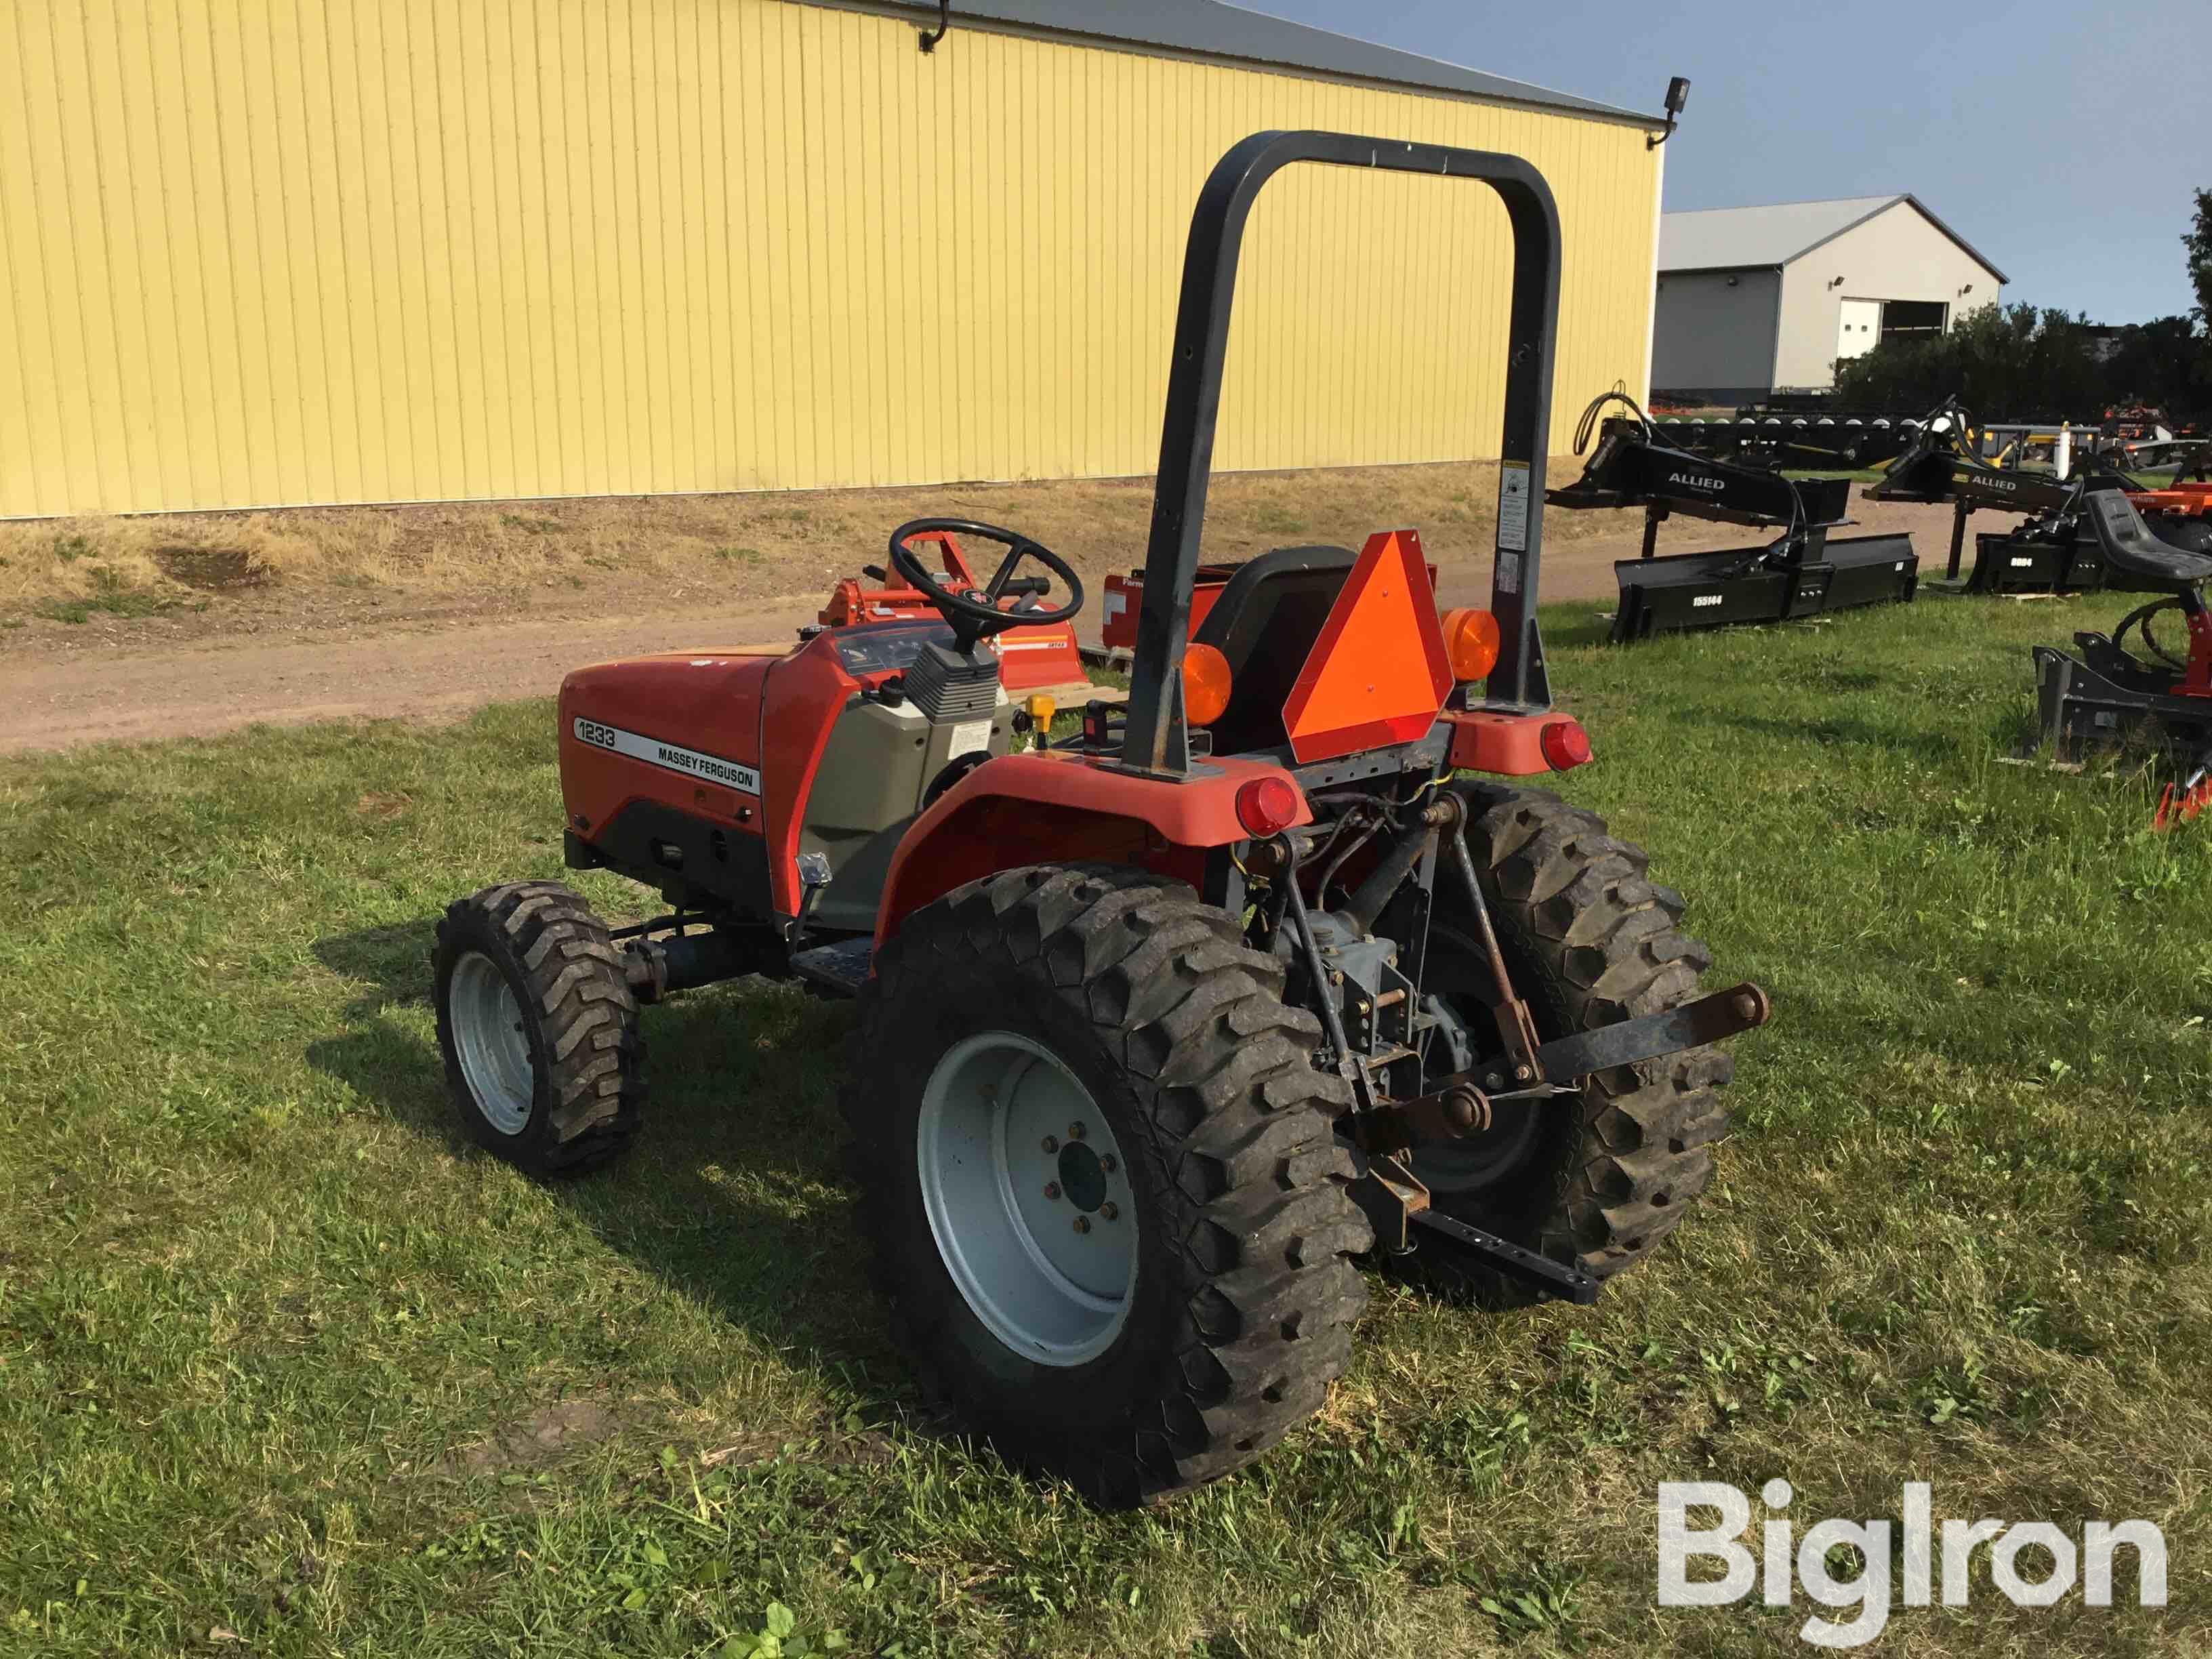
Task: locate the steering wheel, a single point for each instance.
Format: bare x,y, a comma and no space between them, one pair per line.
977,615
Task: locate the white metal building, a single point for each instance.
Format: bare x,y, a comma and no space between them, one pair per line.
1753,301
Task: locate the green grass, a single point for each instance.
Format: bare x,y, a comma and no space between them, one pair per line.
283,1358
112,596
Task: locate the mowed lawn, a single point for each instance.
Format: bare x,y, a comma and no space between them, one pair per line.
286,1368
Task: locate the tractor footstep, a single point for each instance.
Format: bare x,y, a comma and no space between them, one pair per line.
843,967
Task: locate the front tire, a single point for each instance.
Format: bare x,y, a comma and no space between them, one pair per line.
538,1028
1176,1340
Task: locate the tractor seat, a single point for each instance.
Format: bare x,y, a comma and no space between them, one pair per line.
1265,623
2129,545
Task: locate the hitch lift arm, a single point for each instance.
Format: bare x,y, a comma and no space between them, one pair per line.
1458,1106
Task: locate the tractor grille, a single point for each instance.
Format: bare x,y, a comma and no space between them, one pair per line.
947,686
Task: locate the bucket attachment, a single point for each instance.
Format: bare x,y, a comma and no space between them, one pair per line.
1803,573
2108,697
2105,699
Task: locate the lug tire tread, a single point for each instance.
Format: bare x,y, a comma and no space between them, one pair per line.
1233,1116
573,978
1574,907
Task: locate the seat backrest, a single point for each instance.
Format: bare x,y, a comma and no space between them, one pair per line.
2127,544
1265,623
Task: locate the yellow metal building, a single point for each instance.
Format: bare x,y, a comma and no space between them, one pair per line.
263,252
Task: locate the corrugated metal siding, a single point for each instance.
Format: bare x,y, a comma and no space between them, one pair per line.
379,250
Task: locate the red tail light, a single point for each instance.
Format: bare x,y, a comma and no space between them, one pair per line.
1265,805
1566,746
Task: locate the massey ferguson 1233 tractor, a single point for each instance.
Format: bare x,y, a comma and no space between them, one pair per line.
1163,1025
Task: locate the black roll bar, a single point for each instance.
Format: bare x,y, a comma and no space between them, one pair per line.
1157,740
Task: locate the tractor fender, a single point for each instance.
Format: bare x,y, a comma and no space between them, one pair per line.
1504,745
1063,808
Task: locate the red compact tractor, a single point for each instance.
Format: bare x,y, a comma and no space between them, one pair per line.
1163,1026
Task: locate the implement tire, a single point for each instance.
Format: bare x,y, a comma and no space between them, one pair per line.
538,1028
1098,1178
1598,1179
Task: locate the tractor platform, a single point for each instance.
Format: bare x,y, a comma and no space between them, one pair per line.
841,967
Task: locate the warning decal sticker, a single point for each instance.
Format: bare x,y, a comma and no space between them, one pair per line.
1513,506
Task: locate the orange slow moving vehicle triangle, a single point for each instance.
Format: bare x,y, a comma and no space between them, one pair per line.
1377,673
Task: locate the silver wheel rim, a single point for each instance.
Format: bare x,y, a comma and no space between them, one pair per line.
1029,1198
490,1041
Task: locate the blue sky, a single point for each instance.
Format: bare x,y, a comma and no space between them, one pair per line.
2061,143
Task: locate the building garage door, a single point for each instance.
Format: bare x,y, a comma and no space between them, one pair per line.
1859,327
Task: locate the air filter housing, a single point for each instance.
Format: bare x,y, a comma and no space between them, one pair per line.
946,685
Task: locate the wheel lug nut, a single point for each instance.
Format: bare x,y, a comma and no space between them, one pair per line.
1082,1223
1052,1189
1076,1131
1110,1210
1052,1143
1109,1164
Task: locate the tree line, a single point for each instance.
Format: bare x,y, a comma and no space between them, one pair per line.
2022,362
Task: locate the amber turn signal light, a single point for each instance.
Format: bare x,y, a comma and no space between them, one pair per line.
1471,643
1205,684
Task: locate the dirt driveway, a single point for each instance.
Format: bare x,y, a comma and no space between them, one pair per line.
285,660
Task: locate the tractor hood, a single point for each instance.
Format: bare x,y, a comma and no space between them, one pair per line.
706,701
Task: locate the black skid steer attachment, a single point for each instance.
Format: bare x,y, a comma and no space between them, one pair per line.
1803,573
2052,551
2108,697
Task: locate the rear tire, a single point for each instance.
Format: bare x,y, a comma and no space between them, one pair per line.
538,1028
1600,1179
1121,992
